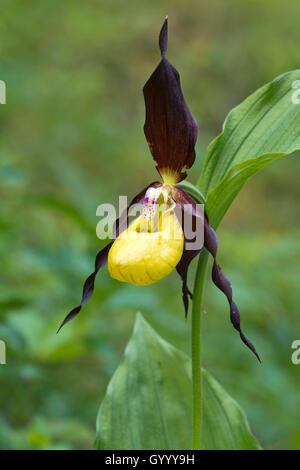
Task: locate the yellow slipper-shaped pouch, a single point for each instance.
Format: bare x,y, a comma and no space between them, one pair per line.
143,253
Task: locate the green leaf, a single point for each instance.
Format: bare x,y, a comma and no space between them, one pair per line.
264,127
148,403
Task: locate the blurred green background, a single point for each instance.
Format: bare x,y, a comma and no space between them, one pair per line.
71,138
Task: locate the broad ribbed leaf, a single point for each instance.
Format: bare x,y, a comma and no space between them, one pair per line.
148,403
264,127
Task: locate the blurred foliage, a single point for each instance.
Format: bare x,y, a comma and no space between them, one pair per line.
71,138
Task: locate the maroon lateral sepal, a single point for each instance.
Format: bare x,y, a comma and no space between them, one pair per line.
101,258
170,128
189,206
223,283
182,269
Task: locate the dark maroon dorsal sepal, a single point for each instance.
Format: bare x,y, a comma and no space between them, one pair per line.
170,128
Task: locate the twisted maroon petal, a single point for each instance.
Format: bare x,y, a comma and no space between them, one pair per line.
223,283
211,244
101,258
170,128
88,288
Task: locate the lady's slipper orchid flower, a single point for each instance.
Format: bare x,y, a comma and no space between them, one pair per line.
155,243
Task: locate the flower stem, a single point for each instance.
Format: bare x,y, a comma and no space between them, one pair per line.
196,346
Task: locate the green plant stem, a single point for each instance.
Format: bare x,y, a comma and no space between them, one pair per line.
196,346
